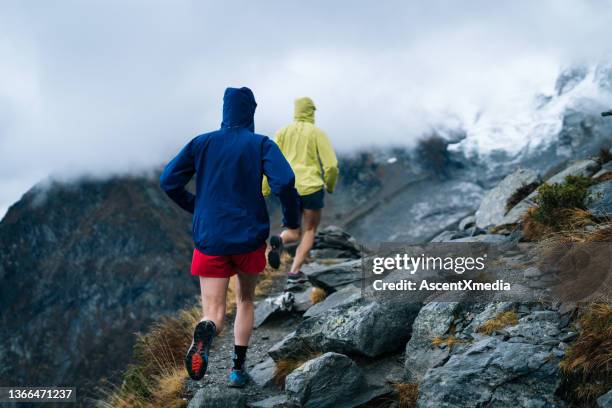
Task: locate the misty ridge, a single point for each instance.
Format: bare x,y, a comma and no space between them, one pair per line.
136,96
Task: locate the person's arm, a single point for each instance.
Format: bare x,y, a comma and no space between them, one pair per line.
282,183
328,161
265,186
176,175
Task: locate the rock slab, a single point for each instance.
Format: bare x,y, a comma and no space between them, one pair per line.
325,381
493,206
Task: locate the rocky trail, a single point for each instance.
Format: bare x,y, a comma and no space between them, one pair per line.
350,349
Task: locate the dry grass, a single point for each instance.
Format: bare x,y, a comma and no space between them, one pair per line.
574,220
448,341
407,395
587,364
317,295
504,319
156,379
520,194
285,366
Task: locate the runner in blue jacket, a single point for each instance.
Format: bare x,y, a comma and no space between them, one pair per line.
230,219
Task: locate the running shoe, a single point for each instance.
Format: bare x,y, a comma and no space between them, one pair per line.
276,249
196,360
296,278
238,378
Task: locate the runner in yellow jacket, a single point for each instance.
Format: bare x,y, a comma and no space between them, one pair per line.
315,165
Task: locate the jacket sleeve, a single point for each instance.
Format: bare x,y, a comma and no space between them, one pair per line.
328,161
176,175
265,186
282,182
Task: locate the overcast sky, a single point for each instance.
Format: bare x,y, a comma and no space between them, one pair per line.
102,87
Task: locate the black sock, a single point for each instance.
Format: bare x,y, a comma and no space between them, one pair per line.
239,356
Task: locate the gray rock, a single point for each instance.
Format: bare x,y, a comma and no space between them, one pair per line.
365,326
605,401
532,272
489,312
584,168
605,168
216,396
538,327
493,206
600,199
448,236
263,373
325,381
333,277
272,305
433,320
467,222
345,295
494,373
487,238
336,239
302,302
277,401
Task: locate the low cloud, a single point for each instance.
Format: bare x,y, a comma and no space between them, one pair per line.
109,86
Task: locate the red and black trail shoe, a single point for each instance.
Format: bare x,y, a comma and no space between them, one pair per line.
196,360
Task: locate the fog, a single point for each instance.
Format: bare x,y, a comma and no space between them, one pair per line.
106,87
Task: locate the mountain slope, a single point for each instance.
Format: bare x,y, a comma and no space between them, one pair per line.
83,267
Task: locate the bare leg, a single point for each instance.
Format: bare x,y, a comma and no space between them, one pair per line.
214,292
310,222
290,235
245,293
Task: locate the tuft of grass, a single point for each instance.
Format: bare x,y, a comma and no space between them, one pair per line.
407,394
558,207
156,379
504,319
317,295
448,341
285,366
520,194
604,177
587,365
553,199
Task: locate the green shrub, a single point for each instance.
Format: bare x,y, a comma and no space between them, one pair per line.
553,199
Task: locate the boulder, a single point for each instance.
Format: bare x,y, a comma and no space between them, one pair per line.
448,236
584,168
345,295
605,168
334,242
494,373
367,327
493,206
263,373
605,401
276,401
537,327
433,320
325,381
273,305
600,199
467,222
333,277
490,311
215,396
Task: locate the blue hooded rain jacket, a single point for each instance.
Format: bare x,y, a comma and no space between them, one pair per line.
229,210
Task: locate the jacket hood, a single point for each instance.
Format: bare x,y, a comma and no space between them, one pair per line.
239,108
304,110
